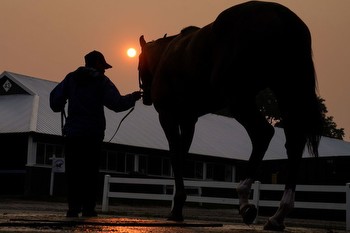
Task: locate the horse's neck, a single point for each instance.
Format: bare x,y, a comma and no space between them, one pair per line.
158,52
189,90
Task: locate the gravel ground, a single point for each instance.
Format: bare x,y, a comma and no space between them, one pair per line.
20,215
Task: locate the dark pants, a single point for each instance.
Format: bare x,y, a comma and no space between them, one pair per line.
82,157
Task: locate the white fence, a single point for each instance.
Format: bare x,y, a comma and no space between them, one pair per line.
256,187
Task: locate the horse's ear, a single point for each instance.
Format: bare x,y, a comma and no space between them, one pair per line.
142,41
165,35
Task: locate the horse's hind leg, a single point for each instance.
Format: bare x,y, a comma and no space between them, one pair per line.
260,133
295,145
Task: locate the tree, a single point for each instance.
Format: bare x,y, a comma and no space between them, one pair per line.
268,105
330,128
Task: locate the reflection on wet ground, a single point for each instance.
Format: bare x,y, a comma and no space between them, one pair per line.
52,223
102,224
48,217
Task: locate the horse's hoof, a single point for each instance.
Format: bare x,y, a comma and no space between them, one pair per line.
272,225
175,217
176,212
248,213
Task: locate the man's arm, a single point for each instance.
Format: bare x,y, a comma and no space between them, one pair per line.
117,102
58,98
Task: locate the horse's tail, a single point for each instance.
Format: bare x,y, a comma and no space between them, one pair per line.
313,115
302,106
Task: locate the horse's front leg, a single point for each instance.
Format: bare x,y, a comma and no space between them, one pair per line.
177,163
179,136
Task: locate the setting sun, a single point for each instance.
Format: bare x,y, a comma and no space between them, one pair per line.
131,52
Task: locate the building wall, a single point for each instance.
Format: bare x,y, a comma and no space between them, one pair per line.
33,166
13,159
312,171
20,177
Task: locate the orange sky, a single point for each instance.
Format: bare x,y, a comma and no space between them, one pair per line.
48,39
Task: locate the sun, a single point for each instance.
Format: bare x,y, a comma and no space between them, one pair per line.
131,52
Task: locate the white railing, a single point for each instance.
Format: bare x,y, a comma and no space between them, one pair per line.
256,187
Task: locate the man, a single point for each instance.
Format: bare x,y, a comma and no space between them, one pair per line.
87,90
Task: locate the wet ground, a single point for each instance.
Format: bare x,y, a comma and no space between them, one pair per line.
18,215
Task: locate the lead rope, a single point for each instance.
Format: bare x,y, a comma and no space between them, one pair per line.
120,123
64,117
132,109
63,120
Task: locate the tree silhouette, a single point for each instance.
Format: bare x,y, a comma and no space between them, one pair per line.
268,105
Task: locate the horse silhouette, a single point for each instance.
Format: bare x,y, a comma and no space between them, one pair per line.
248,48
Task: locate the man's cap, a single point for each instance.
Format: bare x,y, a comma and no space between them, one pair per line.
94,56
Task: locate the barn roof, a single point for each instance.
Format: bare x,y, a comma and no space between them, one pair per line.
25,107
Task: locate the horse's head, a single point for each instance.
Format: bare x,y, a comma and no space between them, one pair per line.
145,74
151,55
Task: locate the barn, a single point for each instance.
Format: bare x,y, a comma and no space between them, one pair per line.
30,137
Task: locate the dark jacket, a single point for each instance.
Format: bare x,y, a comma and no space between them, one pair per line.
87,92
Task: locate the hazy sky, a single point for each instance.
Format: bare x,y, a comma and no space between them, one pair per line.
49,38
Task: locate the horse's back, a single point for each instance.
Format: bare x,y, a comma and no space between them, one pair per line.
259,20
264,35
217,60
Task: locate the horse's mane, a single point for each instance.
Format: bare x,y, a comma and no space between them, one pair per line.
189,29
165,38
184,31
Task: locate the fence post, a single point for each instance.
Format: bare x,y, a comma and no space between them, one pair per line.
200,194
256,198
105,198
172,201
347,202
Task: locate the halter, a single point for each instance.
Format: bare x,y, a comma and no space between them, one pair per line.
140,82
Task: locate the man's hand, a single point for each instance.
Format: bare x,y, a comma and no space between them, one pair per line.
136,95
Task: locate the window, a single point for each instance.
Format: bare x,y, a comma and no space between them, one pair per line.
130,163
103,160
194,169
166,167
115,161
210,171
189,169
46,151
219,172
159,166
143,164
155,165
228,173
198,170
111,161
120,162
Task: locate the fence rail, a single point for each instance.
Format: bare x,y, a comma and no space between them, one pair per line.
257,187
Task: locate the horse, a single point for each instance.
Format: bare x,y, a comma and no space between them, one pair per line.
248,48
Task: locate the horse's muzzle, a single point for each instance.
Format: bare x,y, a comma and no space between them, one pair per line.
146,99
